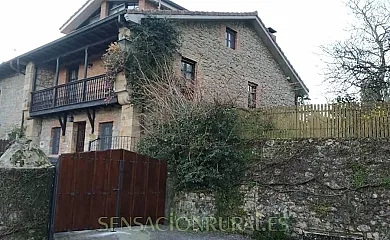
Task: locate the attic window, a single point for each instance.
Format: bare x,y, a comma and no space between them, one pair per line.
94,18
116,7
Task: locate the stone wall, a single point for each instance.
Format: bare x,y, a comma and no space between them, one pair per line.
45,78
11,102
25,192
326,187
225,72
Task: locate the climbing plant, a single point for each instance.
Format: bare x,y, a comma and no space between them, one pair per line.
150,55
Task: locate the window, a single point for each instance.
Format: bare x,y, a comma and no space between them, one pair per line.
73,74
55,141
231,37
116,7
94,18
188,69
105,136
252,92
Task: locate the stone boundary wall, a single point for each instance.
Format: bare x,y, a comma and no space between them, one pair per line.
339,188
25,198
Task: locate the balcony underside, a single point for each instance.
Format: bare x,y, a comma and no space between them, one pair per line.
74,107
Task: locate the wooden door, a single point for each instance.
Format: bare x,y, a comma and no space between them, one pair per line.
80,139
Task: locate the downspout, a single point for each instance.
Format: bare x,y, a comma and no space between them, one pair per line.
17,69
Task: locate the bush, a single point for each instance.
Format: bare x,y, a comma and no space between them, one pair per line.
201,147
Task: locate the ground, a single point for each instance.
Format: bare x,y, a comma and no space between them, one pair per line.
137,234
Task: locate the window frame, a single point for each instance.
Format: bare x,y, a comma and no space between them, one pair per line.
252,94
188,62
70,69
57,146
231,43
106,143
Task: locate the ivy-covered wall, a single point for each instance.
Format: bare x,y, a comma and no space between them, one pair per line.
327,187
25,196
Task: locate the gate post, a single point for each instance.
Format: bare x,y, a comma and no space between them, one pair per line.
119,191
54,199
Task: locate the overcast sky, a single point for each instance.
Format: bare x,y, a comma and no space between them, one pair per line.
302,25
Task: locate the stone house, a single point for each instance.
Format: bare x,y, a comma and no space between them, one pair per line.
60,88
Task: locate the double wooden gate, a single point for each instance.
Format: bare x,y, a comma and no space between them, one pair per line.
113,184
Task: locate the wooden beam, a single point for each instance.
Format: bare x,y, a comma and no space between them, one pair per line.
82,49
62,119
34,83
91,118
86,63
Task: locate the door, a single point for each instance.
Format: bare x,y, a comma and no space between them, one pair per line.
80,138
72,89
105,136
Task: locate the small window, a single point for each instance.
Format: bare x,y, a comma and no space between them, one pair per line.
73,74
188,69
252,93
55,141
231,37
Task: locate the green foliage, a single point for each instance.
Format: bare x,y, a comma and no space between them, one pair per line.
360,174
229,203
202,148
17,132
25,196
258,235
151,54
253,124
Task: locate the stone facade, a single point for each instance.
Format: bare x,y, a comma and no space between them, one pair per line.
11,102
325,187
225,72
45,78
67,143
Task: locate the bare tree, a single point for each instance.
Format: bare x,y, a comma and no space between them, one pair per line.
360,64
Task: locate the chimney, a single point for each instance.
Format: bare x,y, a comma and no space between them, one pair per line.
272,33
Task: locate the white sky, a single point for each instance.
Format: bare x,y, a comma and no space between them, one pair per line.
302,25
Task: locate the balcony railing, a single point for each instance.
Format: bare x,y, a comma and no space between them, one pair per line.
118,142
82,91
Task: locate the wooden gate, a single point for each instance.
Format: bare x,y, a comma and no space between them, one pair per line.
108,184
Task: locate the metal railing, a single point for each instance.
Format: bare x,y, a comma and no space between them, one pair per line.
111,143
85,90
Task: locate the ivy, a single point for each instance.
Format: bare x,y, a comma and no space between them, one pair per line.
154,44
202,148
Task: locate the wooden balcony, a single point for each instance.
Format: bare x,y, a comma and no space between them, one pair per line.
85,93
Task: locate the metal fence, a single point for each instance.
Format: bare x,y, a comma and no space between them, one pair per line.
118,142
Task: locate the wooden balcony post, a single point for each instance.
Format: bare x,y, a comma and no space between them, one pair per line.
84,89
54,97
57,70
86,63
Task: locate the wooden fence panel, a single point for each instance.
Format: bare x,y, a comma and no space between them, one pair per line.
329,121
